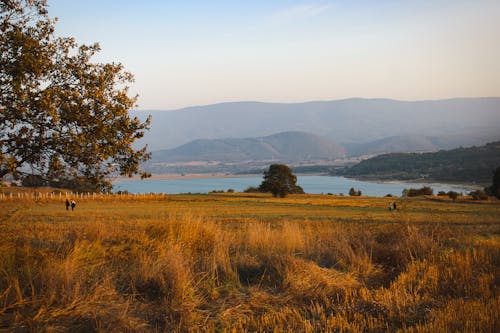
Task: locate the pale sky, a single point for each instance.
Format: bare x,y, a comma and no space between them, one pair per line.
186,53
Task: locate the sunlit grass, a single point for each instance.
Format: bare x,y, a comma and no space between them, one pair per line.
239,263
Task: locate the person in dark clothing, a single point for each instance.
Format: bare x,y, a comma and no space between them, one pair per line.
394,205
73,204
67,204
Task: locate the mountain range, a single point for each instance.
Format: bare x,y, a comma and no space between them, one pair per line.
361,126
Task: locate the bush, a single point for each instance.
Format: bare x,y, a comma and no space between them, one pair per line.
33,181
412,192
354,193
388,195
122,192
494,189
82,184
231,190
251,189
478,195
442,193
453,195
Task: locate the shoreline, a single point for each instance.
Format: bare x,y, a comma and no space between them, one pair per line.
431,183
185,176
469,186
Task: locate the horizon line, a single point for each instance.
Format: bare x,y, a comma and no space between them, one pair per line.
312,101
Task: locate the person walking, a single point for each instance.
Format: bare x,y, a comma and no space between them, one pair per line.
394,205
390,206
67,204
73,204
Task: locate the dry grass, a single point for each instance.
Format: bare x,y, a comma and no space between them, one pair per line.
246,263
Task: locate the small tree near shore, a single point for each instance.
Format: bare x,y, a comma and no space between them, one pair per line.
354,193
494,189
453,195
280,181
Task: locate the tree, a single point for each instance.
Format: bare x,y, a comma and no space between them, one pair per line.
453,195
494,189
478,195
412,192
279,180
62,117
354,193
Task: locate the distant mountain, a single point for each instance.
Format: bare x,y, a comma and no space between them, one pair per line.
283,147
472,165
420,143
400,143
460,121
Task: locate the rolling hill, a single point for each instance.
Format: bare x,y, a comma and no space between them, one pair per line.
471,165
282,147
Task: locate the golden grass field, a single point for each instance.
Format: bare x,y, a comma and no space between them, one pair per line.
249,263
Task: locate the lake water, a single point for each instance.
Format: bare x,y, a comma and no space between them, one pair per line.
310,184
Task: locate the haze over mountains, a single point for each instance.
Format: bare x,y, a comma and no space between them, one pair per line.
349,120
285,147
232,132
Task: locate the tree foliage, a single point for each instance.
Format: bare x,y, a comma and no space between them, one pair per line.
62,116
414,192
280,181
494,189
354,193
473,164
453,195
478,195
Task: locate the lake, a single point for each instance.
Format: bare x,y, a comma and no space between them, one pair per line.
310,184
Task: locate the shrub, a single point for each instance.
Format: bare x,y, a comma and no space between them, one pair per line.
123,192
478,195
82,184
231,190
453,195
494,189
354,193
33,181
251,189
442,193
412,192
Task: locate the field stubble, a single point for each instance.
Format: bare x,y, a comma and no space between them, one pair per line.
236,263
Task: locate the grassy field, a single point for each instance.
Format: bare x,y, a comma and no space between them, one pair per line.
249,263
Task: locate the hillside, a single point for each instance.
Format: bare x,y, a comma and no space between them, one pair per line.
284,147
460,121
393,144
473,165
419,143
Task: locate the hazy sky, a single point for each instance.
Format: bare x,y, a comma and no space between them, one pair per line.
186,53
